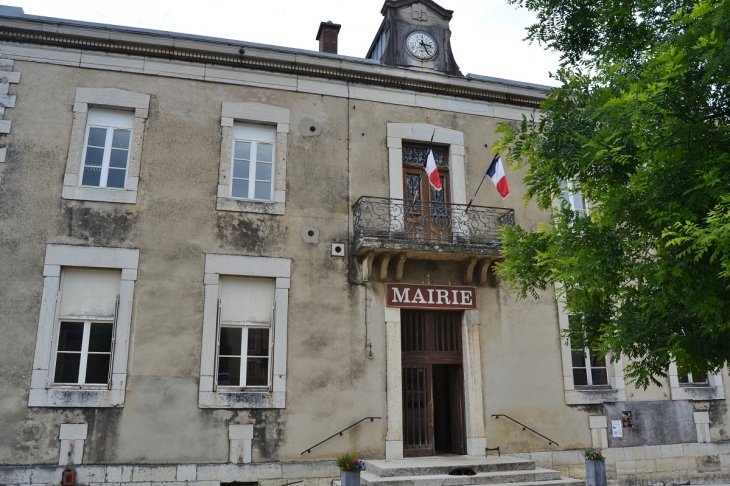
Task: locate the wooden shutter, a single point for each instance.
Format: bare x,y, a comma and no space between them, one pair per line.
217,344
113,343
89,293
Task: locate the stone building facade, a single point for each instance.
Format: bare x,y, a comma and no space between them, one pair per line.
212,253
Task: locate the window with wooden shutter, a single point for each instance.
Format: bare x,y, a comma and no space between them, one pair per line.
84,336
245,332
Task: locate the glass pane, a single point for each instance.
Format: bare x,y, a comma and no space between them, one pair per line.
263,190
94,156
699,377
263,171
413,189
578,202
115,178
120,139
230,341
70,336
92,176
242,150
97,137
240,188
240,168
97,368
258,342
118,159
599,375
684,379
264,152
100,337
229,371
578,360
579,376
67,368
597,362
257,372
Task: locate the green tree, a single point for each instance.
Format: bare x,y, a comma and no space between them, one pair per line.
640,126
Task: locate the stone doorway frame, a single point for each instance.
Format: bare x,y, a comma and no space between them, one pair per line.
476,440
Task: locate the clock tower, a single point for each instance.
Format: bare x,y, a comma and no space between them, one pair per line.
415,33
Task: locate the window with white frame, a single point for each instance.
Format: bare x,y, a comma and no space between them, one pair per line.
588,378
574,199
696,378
252,165
106,152
252,176
588,369
243,362
246,311
89,301
697,385
84,326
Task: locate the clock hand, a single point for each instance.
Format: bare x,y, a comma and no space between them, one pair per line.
426,46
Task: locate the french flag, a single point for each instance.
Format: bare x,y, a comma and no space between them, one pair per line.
432,170
496,173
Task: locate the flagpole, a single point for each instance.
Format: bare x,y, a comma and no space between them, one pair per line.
466,211
475,194
415,197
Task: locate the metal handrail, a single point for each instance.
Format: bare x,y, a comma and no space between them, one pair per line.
429,221
525,427
309,450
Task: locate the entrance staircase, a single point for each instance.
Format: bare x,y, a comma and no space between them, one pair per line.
434,471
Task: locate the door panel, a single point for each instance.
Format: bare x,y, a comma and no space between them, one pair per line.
426,211
417,411
431,340
456,395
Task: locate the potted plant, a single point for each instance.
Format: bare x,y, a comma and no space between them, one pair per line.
350,467
595,467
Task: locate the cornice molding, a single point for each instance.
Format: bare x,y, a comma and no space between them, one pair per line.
335,69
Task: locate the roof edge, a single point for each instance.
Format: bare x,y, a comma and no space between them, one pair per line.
445,13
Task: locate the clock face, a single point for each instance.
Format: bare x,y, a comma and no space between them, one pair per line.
421,45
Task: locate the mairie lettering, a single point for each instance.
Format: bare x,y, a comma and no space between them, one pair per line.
431,296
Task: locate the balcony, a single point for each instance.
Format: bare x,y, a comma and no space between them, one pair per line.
385,228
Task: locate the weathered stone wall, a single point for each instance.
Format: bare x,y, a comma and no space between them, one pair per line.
648,465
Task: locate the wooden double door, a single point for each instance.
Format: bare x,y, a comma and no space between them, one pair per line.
433,383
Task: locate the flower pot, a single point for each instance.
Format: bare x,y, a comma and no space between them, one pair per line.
349,478
595,473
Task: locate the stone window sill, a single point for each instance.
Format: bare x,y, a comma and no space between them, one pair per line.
243,399
84,398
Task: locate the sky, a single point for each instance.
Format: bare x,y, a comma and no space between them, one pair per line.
487,35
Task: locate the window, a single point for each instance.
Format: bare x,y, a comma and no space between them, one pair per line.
587,378
698,378
696,385
243,362
252,168
252,175
106,145
588,370
83,327
106,154
246,310
87,314
574,199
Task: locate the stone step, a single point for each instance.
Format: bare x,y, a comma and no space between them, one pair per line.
425,466
563,481
481,478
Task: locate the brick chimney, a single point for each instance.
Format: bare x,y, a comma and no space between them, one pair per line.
327,36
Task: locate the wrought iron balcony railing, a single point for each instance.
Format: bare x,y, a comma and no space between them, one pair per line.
429,222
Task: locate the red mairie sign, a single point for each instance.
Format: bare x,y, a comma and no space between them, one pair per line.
417,296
